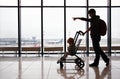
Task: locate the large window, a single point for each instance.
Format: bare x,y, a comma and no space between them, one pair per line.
115,2
75,2
53,2
8,27
8,2
31,27
97,3
53,27
30,2
115,27
49,23
73,26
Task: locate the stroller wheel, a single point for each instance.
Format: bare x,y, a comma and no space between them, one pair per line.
79,62
76,67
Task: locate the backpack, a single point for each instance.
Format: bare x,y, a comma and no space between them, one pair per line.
103,27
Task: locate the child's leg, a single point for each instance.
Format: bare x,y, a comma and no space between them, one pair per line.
63,57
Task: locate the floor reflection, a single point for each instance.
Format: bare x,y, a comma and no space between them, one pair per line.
103,74
20,68
46,68
70,73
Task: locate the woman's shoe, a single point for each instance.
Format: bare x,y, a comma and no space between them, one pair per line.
107,63
93,65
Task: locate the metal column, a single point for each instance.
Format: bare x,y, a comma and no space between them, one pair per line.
42,28
109,27
64,25
19,28
87,35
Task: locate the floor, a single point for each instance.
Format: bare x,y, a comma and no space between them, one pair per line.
47,68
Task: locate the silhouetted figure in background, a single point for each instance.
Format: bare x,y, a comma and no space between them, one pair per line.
95,36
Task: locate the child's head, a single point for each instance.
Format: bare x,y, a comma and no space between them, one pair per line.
70,40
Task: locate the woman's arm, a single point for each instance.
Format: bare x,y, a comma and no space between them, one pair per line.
87,30
81,18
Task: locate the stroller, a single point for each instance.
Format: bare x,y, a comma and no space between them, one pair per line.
78,61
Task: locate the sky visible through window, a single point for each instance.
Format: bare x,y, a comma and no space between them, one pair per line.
52,17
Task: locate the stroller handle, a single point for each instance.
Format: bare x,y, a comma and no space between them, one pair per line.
76,35
80,32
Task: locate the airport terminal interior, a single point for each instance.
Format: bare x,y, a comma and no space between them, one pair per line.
34,36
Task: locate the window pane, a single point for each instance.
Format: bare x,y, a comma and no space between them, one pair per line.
31,2
53,2
31,27
8,2
8,27
102,12
115,25
53,27
75,2
74,26
115,2
97,2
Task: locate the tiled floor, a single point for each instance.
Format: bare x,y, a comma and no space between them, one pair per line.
47,68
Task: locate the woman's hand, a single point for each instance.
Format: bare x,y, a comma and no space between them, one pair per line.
81,33
74,18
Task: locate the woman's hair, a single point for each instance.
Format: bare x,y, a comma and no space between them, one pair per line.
70,40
